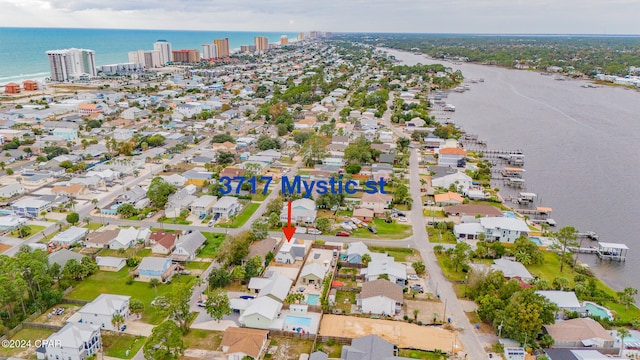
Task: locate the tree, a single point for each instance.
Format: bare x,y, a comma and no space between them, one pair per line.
117,321
566,239
178,306
159,192
73,218
217,305
384,276
274,220
460,255
154,284
401,195
234,249
622,334
24,231
225,158
268,258
165,342
560,283
527,252
260,229
266,143
252,267
419,267
293,298
219,278
136,307
127,210
403,143
524,315
9,171
415,314
323,224
627,296
353,168
546,341
366,259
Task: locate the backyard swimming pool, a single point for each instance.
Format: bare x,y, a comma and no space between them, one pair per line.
597,310
536,240
312,299
297,320
509,214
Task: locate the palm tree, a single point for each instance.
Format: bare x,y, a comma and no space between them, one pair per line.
622,334
94,202
415,314
366,258
154,283
117,321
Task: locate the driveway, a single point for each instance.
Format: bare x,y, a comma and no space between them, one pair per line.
138,328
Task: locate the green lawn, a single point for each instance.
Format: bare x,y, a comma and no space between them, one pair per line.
259,196
436,237
197,265
202,339
399,254
117,345
330,347
127,253
33,229
344,300
93,226
242,218
393,231
213,244
448,270
105,282
180,221
419,354
25,334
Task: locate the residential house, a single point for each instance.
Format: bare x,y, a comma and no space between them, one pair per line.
75,341
501,229
262,248
162,269
397,272
123,134
102,309
225,207
451,157
11,190
460,180
448,198
197,177
291,251
512,269
260,313
224,147
370,347
10,222
100,239
132,196
579,333
69,237
188,245
231,172
363,214
162,242
176,180
380,297
302,211
203,205
110,263
277,288
62,256
239,343
127,237
355,252
566,301
72,190
180,200
313,273
30,207
377,202
65,133
579,354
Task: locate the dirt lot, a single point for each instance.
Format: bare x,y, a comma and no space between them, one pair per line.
283,348
400,333
59,320
426,308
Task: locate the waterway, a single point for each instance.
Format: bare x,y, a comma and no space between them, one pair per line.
581,146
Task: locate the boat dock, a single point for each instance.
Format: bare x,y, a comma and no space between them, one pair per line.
605,251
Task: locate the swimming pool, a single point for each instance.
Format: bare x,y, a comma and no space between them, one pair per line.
312,299
509,214
297,320
536,240
597,310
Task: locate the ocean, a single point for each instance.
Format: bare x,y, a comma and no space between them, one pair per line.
23,49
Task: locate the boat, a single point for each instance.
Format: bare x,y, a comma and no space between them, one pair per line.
449,107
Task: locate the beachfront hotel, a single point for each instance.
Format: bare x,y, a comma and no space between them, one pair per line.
164,47
71,64
262,43
223,47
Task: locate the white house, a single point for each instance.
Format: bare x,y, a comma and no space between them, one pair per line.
30,207
110,263
277,288
67,134
75,341
127,237
11,190
11,222
203,205
102,309
302,211
461,181
451,157
291,251
225,207
565,300
501,229
260,313
70,236
397,272
380,297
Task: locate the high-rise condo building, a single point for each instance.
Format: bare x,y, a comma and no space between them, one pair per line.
209,51
148,58
186,56
164,47
262,43
223,47
70,64
301,36
284,40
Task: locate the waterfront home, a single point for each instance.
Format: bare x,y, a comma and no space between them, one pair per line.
62,256
512,269
30,207
110,263
448,198
75,341
566,301
102,309
188,245
377,202
451,157
579,333
162,269
69,237
460,180
260,313
240,343
380,297
302,211
225,207
503,229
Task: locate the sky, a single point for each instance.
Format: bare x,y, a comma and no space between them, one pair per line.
409,16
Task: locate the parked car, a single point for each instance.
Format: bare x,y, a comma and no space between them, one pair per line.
314,231
402,219
342,233
210,224
200,303
429,203
413,277
372,229
417,287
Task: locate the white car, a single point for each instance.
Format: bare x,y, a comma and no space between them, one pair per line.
313,231
210,223
402,219
413,277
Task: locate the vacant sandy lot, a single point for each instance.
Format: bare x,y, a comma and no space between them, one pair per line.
400,333
427,310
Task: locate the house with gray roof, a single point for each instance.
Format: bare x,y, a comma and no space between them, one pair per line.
101,310
380,297
75,341
511,269
277,288
260,313
370,347
188,245
397,272
225,207
62,256
70,236
291,251
132,196
313,273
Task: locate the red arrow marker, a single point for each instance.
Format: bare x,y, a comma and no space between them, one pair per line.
288,230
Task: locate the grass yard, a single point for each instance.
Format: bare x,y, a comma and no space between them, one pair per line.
393,231
448,270
259,196
202,339
92,226
435,236
289,348
33,229
127,253
419,354
212,245
242,218
25,334
332,348
399,254
178,220
344,300
116,345
197,265
105,282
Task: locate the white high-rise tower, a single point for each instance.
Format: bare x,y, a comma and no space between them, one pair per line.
164,47
69,64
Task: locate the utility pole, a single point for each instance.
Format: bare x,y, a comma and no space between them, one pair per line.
444,314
